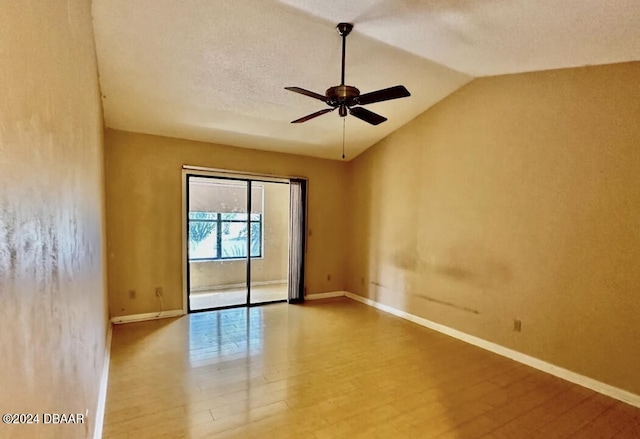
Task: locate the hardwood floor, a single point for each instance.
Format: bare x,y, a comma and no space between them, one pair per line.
333,369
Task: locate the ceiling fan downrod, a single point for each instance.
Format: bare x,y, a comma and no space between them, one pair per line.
344,29
339,95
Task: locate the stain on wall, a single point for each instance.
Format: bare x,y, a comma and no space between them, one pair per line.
52,279
452,305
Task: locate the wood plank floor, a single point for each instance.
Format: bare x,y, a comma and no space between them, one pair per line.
335,369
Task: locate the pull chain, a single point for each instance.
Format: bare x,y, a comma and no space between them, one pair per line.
344,120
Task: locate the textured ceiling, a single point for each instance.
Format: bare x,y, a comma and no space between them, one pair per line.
216,70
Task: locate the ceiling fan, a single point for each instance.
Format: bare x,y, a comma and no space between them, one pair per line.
346,98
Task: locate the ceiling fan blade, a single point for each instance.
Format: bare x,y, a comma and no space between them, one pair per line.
386,94
312,115
367,116
311,94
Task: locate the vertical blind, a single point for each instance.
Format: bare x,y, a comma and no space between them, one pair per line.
297,234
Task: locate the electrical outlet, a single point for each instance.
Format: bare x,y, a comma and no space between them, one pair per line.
158,291
132,294
517,325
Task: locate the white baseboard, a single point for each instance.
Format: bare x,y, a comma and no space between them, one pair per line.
147,316
328,295
229,286
102,393
576,378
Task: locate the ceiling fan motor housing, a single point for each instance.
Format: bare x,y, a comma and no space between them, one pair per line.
342,94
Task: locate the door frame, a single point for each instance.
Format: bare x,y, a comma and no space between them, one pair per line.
228,174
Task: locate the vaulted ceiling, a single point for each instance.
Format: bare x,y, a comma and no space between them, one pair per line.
215,70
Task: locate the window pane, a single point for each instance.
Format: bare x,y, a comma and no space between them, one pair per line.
203,215
234,240
203,237
235,216
202,240
256,239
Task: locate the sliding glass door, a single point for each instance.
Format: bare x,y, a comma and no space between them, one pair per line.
237,234
217,231
269,269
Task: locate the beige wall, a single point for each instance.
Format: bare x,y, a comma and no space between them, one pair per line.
52,283
274,263
518,197
144,214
